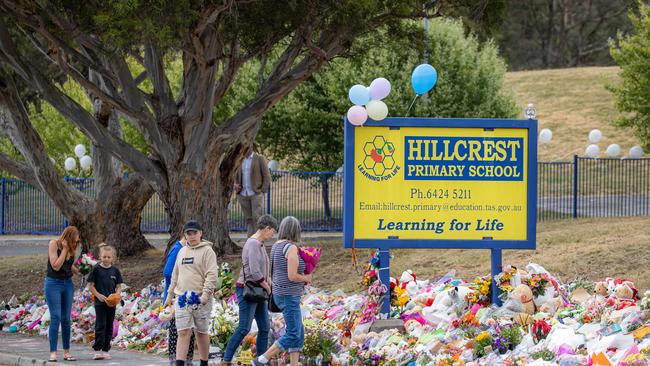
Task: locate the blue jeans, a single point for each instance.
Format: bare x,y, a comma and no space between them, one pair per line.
247,312
294,338
58,295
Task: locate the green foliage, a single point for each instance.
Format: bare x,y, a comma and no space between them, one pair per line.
306,128
545,354
632,54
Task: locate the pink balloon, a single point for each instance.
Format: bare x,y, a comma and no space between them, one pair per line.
357,115
379,89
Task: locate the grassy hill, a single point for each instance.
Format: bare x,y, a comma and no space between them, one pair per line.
571,102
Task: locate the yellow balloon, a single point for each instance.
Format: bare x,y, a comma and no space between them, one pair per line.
377,110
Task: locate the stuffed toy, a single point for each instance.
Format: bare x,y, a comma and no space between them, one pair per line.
552,306
624,297
524,294
113,299
600,289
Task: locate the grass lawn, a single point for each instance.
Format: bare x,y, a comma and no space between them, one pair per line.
585,248
571,102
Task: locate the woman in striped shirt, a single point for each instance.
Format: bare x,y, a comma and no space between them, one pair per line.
288,286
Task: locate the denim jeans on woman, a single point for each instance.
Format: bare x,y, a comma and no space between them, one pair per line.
58,295
247,312
294,338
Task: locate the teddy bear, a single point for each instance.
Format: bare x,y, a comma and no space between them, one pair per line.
624,297
600,289
552,306
524,295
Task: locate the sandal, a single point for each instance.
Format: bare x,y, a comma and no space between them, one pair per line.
52,360
69,358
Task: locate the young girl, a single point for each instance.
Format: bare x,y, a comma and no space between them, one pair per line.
105,279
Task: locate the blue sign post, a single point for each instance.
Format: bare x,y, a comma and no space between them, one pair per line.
440,183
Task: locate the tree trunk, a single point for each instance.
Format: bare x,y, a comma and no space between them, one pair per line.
116,218
205,199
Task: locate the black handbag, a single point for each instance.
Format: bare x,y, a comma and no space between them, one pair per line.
253,292
273,307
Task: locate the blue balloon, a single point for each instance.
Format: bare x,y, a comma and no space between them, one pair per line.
424,78
359,95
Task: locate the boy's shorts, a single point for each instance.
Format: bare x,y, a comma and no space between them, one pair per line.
197,319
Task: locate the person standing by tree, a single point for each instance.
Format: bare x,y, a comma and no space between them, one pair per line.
193,283
59,290
252,182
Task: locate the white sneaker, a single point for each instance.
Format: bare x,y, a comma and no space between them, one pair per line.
98,356
107,356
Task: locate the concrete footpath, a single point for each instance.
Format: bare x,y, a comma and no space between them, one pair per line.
13,245
17,349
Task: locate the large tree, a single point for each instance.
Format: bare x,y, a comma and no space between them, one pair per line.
561,33
191,159
632,54
95,216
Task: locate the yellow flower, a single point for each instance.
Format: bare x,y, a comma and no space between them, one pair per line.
482,336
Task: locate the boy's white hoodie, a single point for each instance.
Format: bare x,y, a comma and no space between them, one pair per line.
195,270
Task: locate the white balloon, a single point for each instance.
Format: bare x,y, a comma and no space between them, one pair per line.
80,150
86,162
70,164
592,151
545,136
339,171
613,150
636,152
377,110
52,160
595,136
274,165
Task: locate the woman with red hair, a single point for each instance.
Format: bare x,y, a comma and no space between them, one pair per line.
59,289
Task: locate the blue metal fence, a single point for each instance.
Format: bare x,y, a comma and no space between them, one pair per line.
583,188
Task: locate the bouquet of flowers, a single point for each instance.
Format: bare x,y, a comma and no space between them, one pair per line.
311,256
225,282
538,282
481,290
372,270
540,330
504,279
189,298
85,263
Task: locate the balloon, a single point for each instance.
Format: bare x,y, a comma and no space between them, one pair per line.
339,171
80,150
86,162
357,115
595,136
379,89
636,152
69,164
423,78
359,95
274,165
592,151
545,136
613,150
52,160
377,110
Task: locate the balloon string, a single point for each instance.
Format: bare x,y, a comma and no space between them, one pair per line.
411,106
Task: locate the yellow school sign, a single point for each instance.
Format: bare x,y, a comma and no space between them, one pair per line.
453,183
440,183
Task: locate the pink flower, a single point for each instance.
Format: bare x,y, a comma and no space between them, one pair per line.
311,256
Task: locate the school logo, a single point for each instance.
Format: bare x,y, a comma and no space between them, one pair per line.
378,162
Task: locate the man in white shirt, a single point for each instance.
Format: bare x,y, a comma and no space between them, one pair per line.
252,182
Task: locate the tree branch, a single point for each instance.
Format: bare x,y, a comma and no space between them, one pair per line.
16,168
76,113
